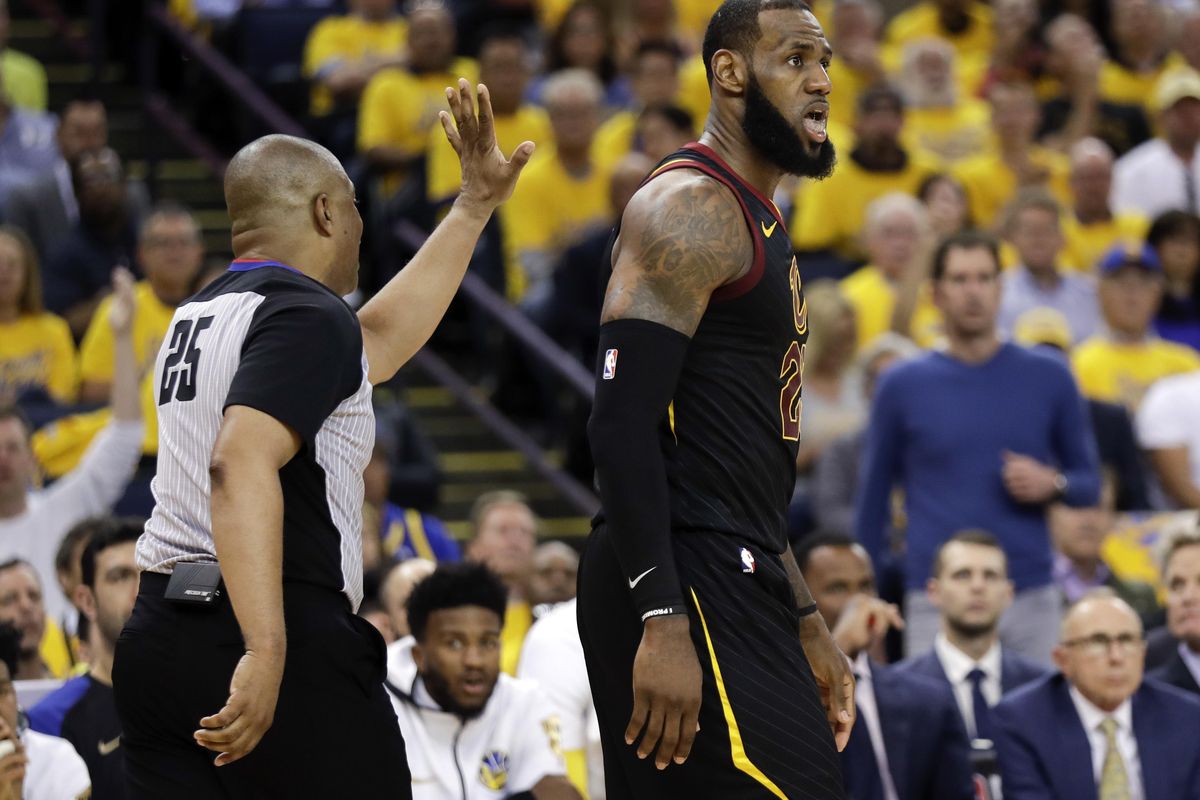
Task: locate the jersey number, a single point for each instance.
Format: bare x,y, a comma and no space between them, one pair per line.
179,380
791,372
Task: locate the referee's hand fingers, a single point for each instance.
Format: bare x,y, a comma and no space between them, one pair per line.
689,726
654,729
221,719
637,720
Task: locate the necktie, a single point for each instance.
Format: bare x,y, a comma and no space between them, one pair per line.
1114,781
983,712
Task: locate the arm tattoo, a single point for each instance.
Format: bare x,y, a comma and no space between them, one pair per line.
690,240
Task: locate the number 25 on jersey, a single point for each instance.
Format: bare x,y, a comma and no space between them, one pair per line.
179,369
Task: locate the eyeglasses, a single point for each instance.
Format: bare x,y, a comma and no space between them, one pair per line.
1100,644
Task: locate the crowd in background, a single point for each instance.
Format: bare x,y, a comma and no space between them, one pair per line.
1064,472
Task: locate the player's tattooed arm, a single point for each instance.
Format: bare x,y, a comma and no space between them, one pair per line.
682,237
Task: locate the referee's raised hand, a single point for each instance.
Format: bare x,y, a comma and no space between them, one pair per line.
488,177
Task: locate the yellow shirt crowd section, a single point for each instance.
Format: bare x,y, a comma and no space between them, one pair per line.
1121,373
36,351
349,39
61,445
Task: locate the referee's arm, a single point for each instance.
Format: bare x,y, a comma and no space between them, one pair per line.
398,321
247,526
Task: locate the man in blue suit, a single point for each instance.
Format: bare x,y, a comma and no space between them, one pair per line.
1181,576
969,585
909,742
1096,730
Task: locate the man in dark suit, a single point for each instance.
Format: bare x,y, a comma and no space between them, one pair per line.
969,584
46,208
1096,730
1078,535
909,742
1181,574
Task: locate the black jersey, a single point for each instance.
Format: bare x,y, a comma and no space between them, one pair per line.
733,427
84,712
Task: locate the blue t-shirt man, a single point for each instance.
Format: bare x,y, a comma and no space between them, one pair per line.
942,430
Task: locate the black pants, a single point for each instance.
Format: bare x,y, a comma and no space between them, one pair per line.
335,732
763,730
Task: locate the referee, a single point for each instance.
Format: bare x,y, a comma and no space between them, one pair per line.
263,387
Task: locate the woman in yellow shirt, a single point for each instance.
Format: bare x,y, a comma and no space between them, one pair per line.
36,350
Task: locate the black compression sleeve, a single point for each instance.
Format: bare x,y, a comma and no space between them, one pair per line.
638,366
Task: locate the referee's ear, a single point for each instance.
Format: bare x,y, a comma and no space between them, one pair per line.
323,214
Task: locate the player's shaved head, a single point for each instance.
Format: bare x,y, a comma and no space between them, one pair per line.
273,181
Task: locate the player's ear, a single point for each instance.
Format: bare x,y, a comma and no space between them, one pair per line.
323,214
730,72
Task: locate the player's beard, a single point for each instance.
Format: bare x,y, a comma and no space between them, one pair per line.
439,689
774,137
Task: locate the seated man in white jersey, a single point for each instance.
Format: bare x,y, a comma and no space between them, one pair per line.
553,658
33,766
470,731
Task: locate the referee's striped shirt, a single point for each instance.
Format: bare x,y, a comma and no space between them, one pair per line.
266,336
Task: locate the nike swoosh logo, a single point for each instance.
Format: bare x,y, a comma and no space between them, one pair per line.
108,748
768,231
633,582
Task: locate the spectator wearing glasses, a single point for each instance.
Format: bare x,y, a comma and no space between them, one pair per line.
1096,729
1181,575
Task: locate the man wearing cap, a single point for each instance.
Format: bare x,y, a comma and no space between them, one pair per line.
1121,364
1163,174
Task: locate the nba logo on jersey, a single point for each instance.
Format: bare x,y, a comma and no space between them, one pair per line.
610,364
748,563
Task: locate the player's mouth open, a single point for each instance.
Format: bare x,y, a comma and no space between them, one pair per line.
815,121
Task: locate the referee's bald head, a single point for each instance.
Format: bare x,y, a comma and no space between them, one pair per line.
273,182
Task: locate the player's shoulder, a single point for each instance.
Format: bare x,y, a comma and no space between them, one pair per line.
672,195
